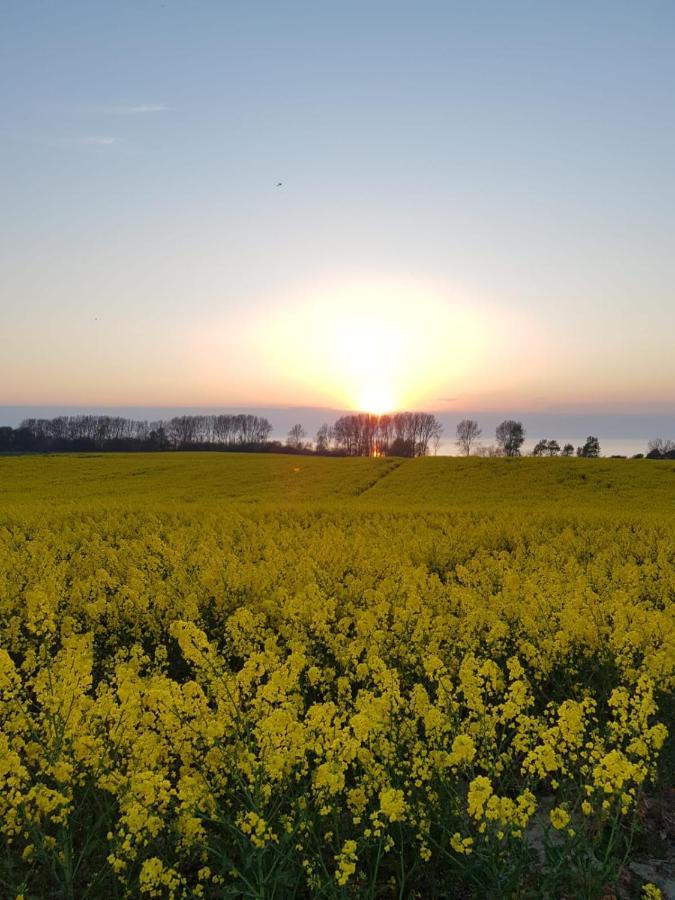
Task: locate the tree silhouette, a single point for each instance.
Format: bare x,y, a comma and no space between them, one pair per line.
510,436
468,433
296,436
591,449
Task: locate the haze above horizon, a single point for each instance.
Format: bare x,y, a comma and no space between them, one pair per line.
381,205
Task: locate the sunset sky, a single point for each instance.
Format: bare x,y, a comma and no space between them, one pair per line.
477,208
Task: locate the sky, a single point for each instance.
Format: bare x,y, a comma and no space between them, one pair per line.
476,209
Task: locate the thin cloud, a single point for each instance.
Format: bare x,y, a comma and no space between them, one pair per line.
96,141
88,140
132,110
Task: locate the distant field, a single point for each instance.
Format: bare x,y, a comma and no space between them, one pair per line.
253,676
176,478
621,487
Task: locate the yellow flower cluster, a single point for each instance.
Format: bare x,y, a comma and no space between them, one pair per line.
217,702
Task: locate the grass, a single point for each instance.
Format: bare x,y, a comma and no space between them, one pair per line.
159,480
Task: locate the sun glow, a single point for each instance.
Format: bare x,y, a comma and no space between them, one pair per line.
374,346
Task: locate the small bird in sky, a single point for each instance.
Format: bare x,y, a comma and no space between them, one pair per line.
279,183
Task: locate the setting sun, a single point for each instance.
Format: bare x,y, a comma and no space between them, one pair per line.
376,399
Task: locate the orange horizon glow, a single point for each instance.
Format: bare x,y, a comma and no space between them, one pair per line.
370,344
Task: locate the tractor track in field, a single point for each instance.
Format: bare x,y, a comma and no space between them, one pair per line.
394,465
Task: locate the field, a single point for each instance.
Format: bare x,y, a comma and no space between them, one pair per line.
258,676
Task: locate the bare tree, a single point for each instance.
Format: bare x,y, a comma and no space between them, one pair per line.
179,432
427,427
435,434
323,438
468,433
296,436
182,430
401,434
385,434
488,450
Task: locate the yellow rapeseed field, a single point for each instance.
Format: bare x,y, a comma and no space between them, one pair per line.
262,676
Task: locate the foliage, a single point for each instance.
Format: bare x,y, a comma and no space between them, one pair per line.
660,449
355,696
591,448
510,436
547,447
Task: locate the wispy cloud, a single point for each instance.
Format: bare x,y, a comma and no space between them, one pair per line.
87,140
96,141
131,110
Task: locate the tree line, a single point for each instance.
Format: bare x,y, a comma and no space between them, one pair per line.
405,434
510,436
91,432
509,439
401,434
365,434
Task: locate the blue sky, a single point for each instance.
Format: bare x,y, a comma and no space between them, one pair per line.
477,198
